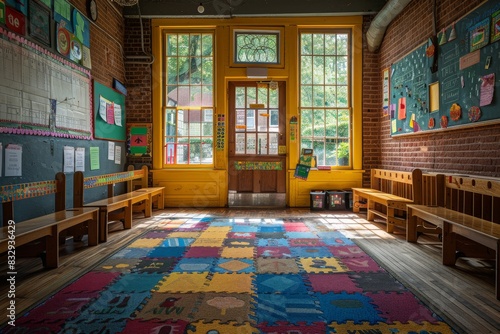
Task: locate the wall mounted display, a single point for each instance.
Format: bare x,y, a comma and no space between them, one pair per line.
462,90
39,22
139,139
109,113
42,93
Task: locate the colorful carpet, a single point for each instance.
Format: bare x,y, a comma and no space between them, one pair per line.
220,275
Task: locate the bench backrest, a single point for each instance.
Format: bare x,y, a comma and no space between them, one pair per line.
399,183
475,196
16,192
80,183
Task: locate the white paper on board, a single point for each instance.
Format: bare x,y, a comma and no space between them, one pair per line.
69,159
13,160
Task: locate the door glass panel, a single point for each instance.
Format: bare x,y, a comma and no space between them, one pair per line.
257,130
262,144
273,143
251,143
250,120
263,120
240,143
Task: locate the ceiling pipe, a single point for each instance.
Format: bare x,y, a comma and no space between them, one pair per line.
376,31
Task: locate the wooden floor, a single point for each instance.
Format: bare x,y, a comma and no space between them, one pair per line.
462,295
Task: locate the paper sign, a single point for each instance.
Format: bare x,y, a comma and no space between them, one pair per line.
103,103
394,126
402,108
69,159
111,150
94,158
118,154
13,160
80,159
118,114
487,89
110,113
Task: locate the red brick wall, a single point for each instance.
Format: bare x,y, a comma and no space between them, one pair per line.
468,151
138,71
372,101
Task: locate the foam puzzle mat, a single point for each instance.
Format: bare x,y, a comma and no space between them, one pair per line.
221,275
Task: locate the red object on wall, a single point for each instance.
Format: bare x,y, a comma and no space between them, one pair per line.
15,21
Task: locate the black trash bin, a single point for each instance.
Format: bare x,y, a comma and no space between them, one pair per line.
335,200
317,200
348,199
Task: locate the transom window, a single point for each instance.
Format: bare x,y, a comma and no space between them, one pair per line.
257,47
325,102
188,103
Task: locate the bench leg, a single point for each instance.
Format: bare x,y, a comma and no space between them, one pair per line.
93,230
390,224
497,268
161,202
449,244
355,202
128,216
369,213
411,226
103,225
52,249
148,207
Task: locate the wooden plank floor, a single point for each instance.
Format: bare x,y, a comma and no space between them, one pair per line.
462,295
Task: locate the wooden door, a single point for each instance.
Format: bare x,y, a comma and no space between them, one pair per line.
257,140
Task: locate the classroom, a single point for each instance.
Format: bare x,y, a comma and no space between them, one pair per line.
202,125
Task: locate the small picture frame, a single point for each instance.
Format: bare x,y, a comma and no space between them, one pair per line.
39,26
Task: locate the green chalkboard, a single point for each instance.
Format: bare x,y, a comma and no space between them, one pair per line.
462,90
109,113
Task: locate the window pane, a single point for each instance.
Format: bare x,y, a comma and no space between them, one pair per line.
342,42
319,123
306,96
319,96
330,96
318,44
262,144
250,120
305,70
306,44
330,70
263,120
256,47
342,70
273,143
274,98
306,124
331,123
319,70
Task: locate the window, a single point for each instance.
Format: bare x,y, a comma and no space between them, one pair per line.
257,47
188,104
325,102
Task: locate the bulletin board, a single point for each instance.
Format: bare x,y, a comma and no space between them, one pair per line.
462,90
41,93
109,113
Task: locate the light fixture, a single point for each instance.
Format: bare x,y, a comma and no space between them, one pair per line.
201,9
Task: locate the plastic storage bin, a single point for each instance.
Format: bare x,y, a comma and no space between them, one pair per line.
317,200
336,200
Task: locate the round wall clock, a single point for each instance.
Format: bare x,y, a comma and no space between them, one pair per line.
92,9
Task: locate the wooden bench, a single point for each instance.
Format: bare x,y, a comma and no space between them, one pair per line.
468,207
47,227
389,194
114,203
